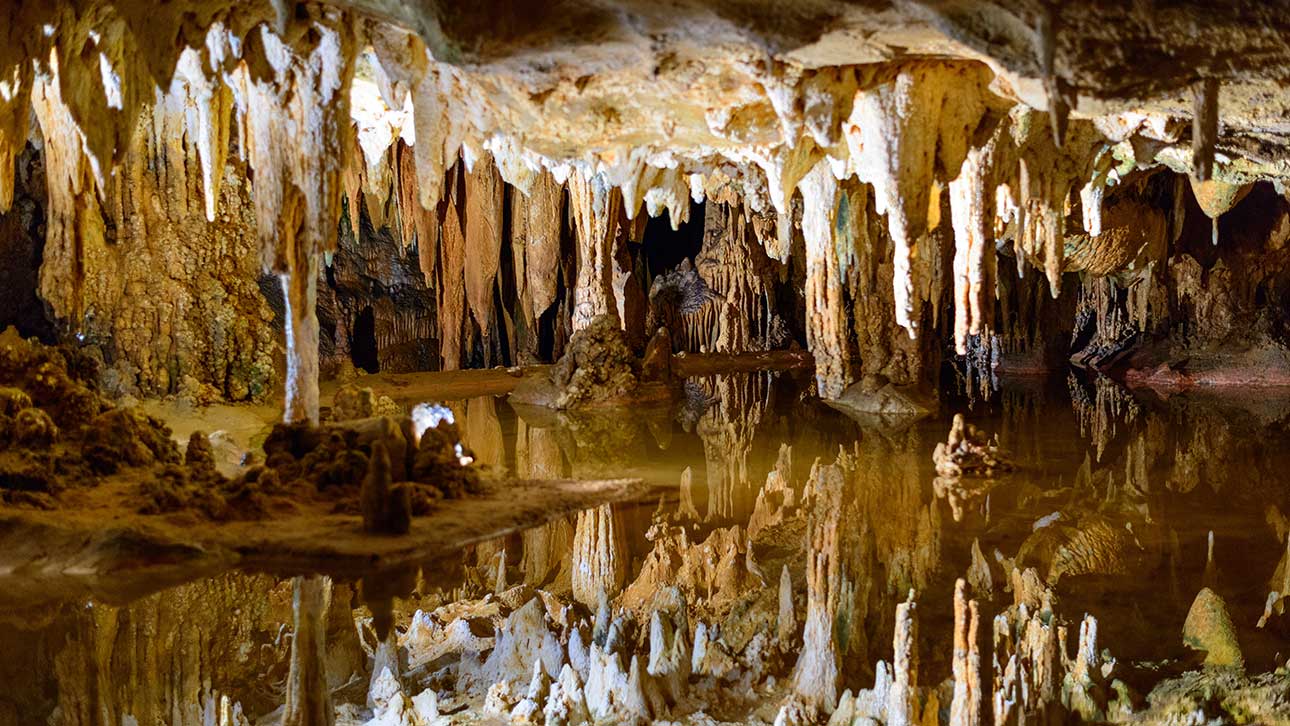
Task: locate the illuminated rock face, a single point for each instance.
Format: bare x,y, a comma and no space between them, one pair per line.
863,169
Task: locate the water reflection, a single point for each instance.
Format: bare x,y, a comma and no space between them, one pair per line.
770,569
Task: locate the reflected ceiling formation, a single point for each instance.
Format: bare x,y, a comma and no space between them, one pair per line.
402,362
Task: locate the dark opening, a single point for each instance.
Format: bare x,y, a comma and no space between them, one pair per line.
362,344
665,248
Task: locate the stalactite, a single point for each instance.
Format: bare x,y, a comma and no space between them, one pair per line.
214,102
902,135
784,167
540,233
483,239
671,192
1216,198
972,210
452,284
74,220
1204,130
1046,37
15,105
438,130
1045,175
297,114
596,209
826,334
725,301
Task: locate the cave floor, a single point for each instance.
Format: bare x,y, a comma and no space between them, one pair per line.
1124,504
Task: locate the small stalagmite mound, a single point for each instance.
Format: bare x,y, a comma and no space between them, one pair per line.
58,434
598,369
969,452
1209,628
352,401
967,464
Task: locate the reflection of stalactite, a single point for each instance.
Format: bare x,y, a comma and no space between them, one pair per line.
599,556
308,695
193,654
976,368
537,452
548,551
1100,417
863,520
481,430
831,539
890,470
728,427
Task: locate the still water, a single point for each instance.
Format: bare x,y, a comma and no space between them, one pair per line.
1125,504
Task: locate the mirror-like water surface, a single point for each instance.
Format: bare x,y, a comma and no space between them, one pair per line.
769,508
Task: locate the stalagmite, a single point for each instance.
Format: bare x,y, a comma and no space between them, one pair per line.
786,622
685,509
1278,588
1046,38
1204,130
669,655
308,697
386,508
566,705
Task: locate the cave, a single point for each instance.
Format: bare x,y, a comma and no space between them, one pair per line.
363,348
615,362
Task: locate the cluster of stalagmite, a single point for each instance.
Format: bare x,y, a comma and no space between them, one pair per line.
326,111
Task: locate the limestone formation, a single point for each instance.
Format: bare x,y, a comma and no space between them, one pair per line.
877,205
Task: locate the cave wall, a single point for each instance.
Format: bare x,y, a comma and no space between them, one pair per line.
521,174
